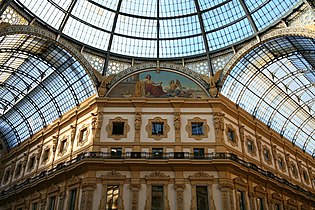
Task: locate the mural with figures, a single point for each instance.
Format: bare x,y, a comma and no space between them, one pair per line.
154,84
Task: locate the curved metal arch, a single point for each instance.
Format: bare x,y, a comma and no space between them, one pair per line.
278,33
66,81
287,96
14,131
22,116
281,102
266,66
60,73
52,38
305,104
28,98
40,85
307,141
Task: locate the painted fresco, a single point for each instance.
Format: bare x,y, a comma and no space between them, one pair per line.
154,84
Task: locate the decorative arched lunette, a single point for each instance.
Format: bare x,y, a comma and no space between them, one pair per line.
290,31
54,38
163,67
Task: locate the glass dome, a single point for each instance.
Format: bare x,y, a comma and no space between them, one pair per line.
159,28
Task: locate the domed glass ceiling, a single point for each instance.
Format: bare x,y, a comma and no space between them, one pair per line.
275,82
159,28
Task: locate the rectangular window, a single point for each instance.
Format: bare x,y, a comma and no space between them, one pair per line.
157,153
112,197
83,133
199,152
231,135
241,200
157,201
51,203
72,198
261,204
45,155
157,128
250,146
202,198
118,128
31,163
34,206
63,146
197,128
116,152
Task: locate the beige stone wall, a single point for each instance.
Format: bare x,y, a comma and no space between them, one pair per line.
222,176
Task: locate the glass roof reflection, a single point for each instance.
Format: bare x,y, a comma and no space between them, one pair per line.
177,24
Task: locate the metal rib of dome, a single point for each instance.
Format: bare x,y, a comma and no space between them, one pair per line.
159,28
39,82
275,82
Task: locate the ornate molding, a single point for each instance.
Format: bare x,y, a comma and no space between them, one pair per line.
63,147
201,175
280,161
83,135
205,128
157,175
113,175
267,154
166,128
53,188
74,180
218,119
247,142
234,141
110,126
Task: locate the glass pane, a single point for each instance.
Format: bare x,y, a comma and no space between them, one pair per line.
112,197
157,201
202,198
73,195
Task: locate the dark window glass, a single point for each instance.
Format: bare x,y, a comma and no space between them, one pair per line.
250,146
34,206
157,128
118,128
63,146
6,176
266,155
157,152
73,195
280,163
83,133
45,155
116,152
157,202
202,198
231,135
31,163
18,170
51,203
197,128
261,204
305,175
112,197
241,200
199,152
